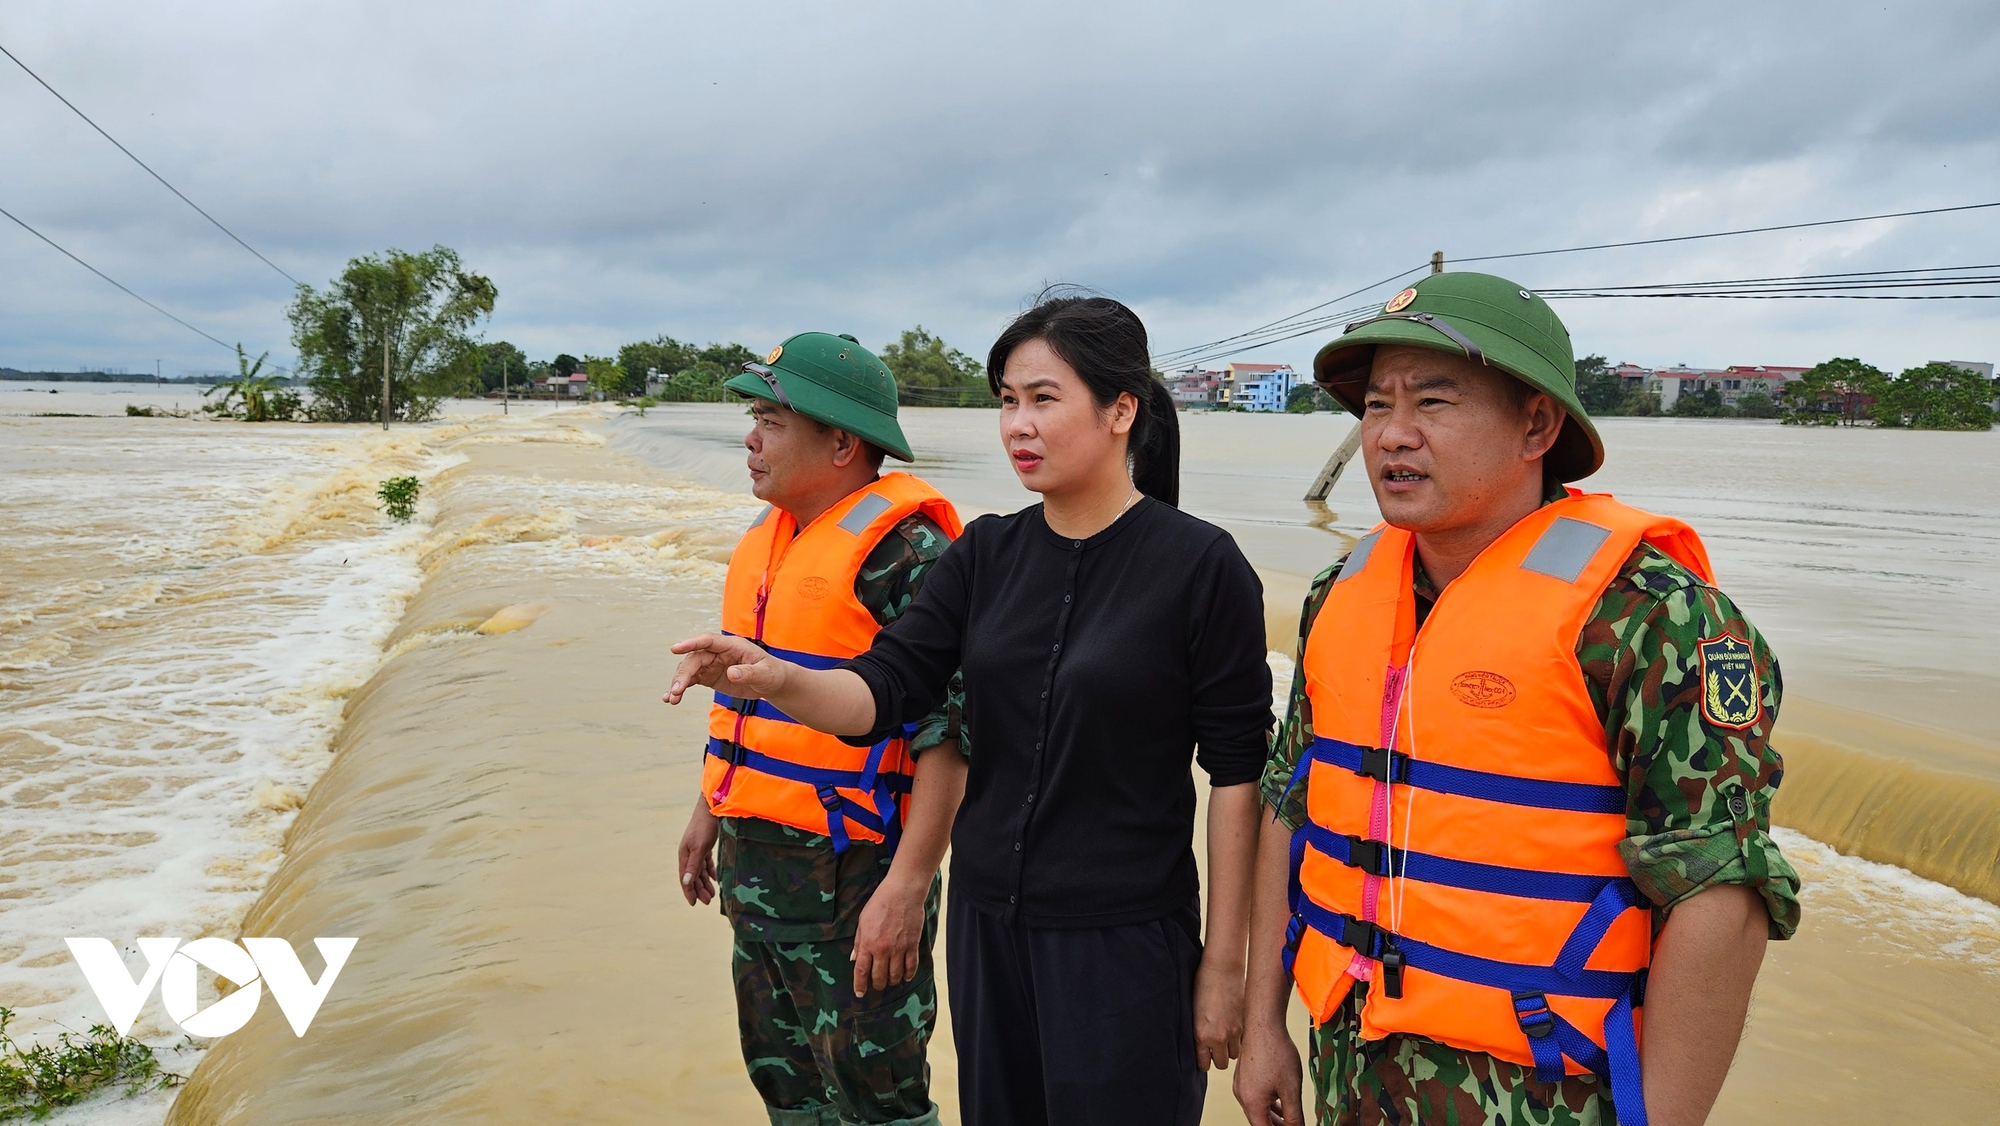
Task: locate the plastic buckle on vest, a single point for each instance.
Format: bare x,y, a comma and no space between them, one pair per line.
1384,765
744,705
1363,937
829,798
1295,930
1532,1011
1538,1023
1371,857
1639,987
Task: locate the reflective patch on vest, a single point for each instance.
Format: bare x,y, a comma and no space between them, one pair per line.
761,516
1729,691
864,513
1358,558
1565,549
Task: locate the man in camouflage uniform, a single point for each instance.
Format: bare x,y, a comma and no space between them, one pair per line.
1698,787
836,995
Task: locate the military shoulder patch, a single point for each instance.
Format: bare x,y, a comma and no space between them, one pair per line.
1730,693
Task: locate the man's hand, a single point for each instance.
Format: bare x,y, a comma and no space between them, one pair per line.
1269,1079
887,937
736,665
698,855
1218,1012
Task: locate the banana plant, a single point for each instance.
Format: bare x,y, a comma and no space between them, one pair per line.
250,390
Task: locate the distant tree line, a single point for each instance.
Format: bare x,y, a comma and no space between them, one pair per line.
928,371
1839,392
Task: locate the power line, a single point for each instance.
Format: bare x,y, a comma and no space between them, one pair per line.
1792,278
1801,297
1283,328
107,277
148,168
1281,322
1727,234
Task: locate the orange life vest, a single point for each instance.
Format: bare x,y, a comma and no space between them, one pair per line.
794,595
1463,814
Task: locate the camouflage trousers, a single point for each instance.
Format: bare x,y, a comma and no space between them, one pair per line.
1402,1080
818,1055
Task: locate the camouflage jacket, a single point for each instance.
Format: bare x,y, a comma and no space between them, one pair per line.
1697,815
781,884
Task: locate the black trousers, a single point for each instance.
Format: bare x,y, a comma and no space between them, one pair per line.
1059,1027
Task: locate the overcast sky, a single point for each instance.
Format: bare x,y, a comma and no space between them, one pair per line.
744,171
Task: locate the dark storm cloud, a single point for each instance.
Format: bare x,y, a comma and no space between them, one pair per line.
742,171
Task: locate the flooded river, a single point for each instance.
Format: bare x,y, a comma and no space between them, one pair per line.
208,621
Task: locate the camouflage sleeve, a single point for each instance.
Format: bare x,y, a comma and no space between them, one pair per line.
1689,692
889,580
1295,734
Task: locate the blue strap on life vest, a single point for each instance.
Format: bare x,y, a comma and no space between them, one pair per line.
1550,1036
884,786
796,656
1401,769
1378,858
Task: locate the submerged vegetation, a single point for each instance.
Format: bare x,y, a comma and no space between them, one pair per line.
252,396
411,314
399,498
1846,392
37,1081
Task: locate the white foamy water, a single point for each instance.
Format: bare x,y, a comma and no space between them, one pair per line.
187,606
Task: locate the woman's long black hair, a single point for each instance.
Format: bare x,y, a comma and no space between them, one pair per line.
1106,344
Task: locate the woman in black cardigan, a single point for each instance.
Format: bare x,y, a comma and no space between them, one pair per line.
1108,640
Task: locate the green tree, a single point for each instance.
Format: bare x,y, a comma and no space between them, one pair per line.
930,372
1701,404
1307,398
566,365
610,380
663,354
423,306
1756,404
492,358
1935,397
1837,392
1598,387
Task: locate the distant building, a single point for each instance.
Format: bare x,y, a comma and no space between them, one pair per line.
1258,387
1195,387
576,384
1973,366
1730,383
1738,380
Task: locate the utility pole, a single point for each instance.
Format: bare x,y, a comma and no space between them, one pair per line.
156,373
385,377
503,383
1437,261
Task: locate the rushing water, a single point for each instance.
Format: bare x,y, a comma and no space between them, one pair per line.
195,608
1873,570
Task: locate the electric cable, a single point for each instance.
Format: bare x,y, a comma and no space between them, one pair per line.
107,277
147,167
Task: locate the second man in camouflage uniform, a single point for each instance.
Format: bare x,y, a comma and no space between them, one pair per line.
836,994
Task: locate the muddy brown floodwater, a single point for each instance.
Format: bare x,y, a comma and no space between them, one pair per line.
492,793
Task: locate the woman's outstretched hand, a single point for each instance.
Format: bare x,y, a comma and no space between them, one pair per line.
734,665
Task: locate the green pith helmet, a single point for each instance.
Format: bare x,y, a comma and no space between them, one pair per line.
1482,318
832,379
